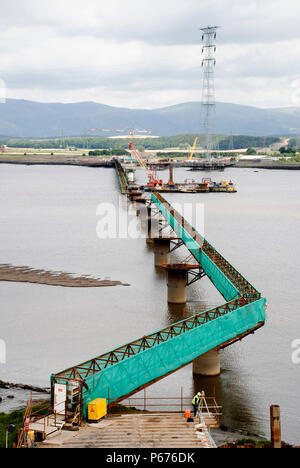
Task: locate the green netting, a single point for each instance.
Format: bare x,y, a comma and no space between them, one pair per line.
122,378
220,281
121,183
127,376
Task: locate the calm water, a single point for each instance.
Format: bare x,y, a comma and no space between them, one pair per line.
48,220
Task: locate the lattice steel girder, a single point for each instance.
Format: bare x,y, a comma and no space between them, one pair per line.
177,245
183,346
147,342
196,274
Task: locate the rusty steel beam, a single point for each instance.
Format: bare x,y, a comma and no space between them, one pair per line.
95,365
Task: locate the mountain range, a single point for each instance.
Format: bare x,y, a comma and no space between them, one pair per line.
29,119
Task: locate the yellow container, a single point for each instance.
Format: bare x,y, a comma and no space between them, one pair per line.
97,409
31,435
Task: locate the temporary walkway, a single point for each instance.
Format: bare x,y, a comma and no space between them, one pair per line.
121,177
124,371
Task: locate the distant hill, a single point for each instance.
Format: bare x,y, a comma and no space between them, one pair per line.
28,119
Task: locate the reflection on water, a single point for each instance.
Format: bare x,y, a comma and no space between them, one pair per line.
48,220
176,312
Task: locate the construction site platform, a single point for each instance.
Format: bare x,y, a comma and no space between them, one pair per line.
136,431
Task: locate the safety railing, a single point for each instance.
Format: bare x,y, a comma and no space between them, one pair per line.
169,404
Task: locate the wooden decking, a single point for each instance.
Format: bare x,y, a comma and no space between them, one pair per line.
136,431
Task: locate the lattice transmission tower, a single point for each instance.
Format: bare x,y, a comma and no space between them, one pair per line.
208,93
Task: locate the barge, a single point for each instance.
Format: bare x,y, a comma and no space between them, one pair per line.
191,186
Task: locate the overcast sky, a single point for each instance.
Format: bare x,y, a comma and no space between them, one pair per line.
147,53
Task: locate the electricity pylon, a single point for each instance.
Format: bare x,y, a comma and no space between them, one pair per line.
208,93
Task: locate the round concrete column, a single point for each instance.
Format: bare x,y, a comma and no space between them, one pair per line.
161,252
208,365
149,224
177,279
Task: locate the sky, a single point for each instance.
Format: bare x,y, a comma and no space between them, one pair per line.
147,53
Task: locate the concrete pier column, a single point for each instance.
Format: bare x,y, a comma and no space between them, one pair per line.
161,252
275,427
177,282
208,365
149,221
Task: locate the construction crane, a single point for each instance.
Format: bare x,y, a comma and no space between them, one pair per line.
193,148
130,132
135,154
152,176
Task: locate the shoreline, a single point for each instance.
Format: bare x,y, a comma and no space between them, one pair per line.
97,162
93,164
11,386
14,396
274,166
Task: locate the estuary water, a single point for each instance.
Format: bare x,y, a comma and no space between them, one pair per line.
48,220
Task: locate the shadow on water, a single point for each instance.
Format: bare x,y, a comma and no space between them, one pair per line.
176,313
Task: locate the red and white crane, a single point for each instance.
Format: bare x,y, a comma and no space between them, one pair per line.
135,154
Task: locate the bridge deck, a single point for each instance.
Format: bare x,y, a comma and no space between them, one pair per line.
135,431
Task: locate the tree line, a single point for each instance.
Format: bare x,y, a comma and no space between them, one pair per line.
180,142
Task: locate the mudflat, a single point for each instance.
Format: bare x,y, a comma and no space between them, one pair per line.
24,274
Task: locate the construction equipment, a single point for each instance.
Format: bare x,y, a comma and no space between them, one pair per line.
135,154
193,149
76,418
25,426
127,131
152,176
97,409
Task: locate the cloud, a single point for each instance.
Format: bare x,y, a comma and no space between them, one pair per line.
158,22
147,53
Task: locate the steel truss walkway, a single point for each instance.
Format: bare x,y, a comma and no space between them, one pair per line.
122,178
136,365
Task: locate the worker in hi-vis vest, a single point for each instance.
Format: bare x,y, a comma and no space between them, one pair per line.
195,402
